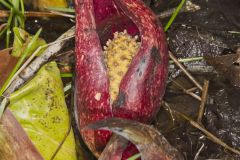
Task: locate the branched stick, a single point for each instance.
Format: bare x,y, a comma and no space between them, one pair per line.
175,60
32,68
192,89
189,92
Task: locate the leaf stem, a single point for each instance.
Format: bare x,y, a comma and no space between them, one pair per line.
66,75
5,4
174,15
20,61
136,156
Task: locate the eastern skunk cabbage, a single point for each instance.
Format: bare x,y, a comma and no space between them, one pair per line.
121,65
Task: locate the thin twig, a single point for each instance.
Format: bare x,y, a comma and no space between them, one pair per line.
175,60
5,14
2,26
29,71
187,91
33,56
192,89
69,53
185,60
209,135
213,138
204,98
20,62
189,7
198,152
33,67
171,113
63,140
63,14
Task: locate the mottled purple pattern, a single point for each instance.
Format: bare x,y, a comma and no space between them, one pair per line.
92,95
144,84
104,10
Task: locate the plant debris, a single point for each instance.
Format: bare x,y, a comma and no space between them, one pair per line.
151,143
7,63
15,144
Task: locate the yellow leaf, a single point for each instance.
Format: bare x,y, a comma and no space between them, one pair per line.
41,110
42,4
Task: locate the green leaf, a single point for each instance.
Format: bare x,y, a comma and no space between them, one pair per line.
41,110
7,5
136,156
66,75
25,53
21,41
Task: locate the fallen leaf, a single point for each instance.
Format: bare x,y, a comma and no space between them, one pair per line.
15,144
7,63
150,142
228,65
21,41
40,108
116,145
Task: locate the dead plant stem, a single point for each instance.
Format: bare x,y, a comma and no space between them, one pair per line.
5,14
189,7
28,72
204,98
209,135
175,60
192,89
187,91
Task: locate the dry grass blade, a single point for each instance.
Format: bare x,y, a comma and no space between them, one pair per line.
189,92
212,137
192,89
63,14
175,60
204,98
198,152
167,108
209,135
5,14
63,140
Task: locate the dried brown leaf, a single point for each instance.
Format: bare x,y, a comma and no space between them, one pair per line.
228,65
15,144
151,143
7,62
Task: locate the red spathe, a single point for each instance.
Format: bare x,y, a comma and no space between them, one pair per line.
142,87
